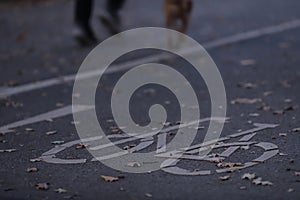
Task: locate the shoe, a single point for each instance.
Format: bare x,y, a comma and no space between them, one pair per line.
84,35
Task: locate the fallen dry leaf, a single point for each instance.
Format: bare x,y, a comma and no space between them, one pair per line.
133,164
290,190
254,115
82,146
247,85
36,160
283,154
267,93
285,84
278,112
21,36
51,132
245,101
127,147
282,134
296,129
74,122
243,188
60,190
121,176
224,178
249,176
148,195
287,100
289,108
245,147
31,169
57,142
49,120
42,186
109,178
59,104
29,129
265,107
247,62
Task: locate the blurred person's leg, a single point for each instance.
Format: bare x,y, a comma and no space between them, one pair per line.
111,20
83,31
113,7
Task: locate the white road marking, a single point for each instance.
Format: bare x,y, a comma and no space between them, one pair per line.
8,91
45,116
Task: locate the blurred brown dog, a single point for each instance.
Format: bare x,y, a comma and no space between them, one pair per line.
178,11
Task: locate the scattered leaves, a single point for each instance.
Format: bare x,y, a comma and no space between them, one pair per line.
256,180
109,178
7,150
228,164
259,181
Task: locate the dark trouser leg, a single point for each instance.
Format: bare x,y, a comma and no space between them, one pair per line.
83,11
113,7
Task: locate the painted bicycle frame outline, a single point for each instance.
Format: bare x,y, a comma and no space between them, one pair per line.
173,157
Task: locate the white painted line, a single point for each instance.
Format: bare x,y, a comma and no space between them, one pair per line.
8,91
45,116
164,130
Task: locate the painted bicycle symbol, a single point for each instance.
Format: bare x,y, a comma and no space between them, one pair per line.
172,158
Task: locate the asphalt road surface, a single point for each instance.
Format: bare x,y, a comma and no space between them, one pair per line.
255,45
